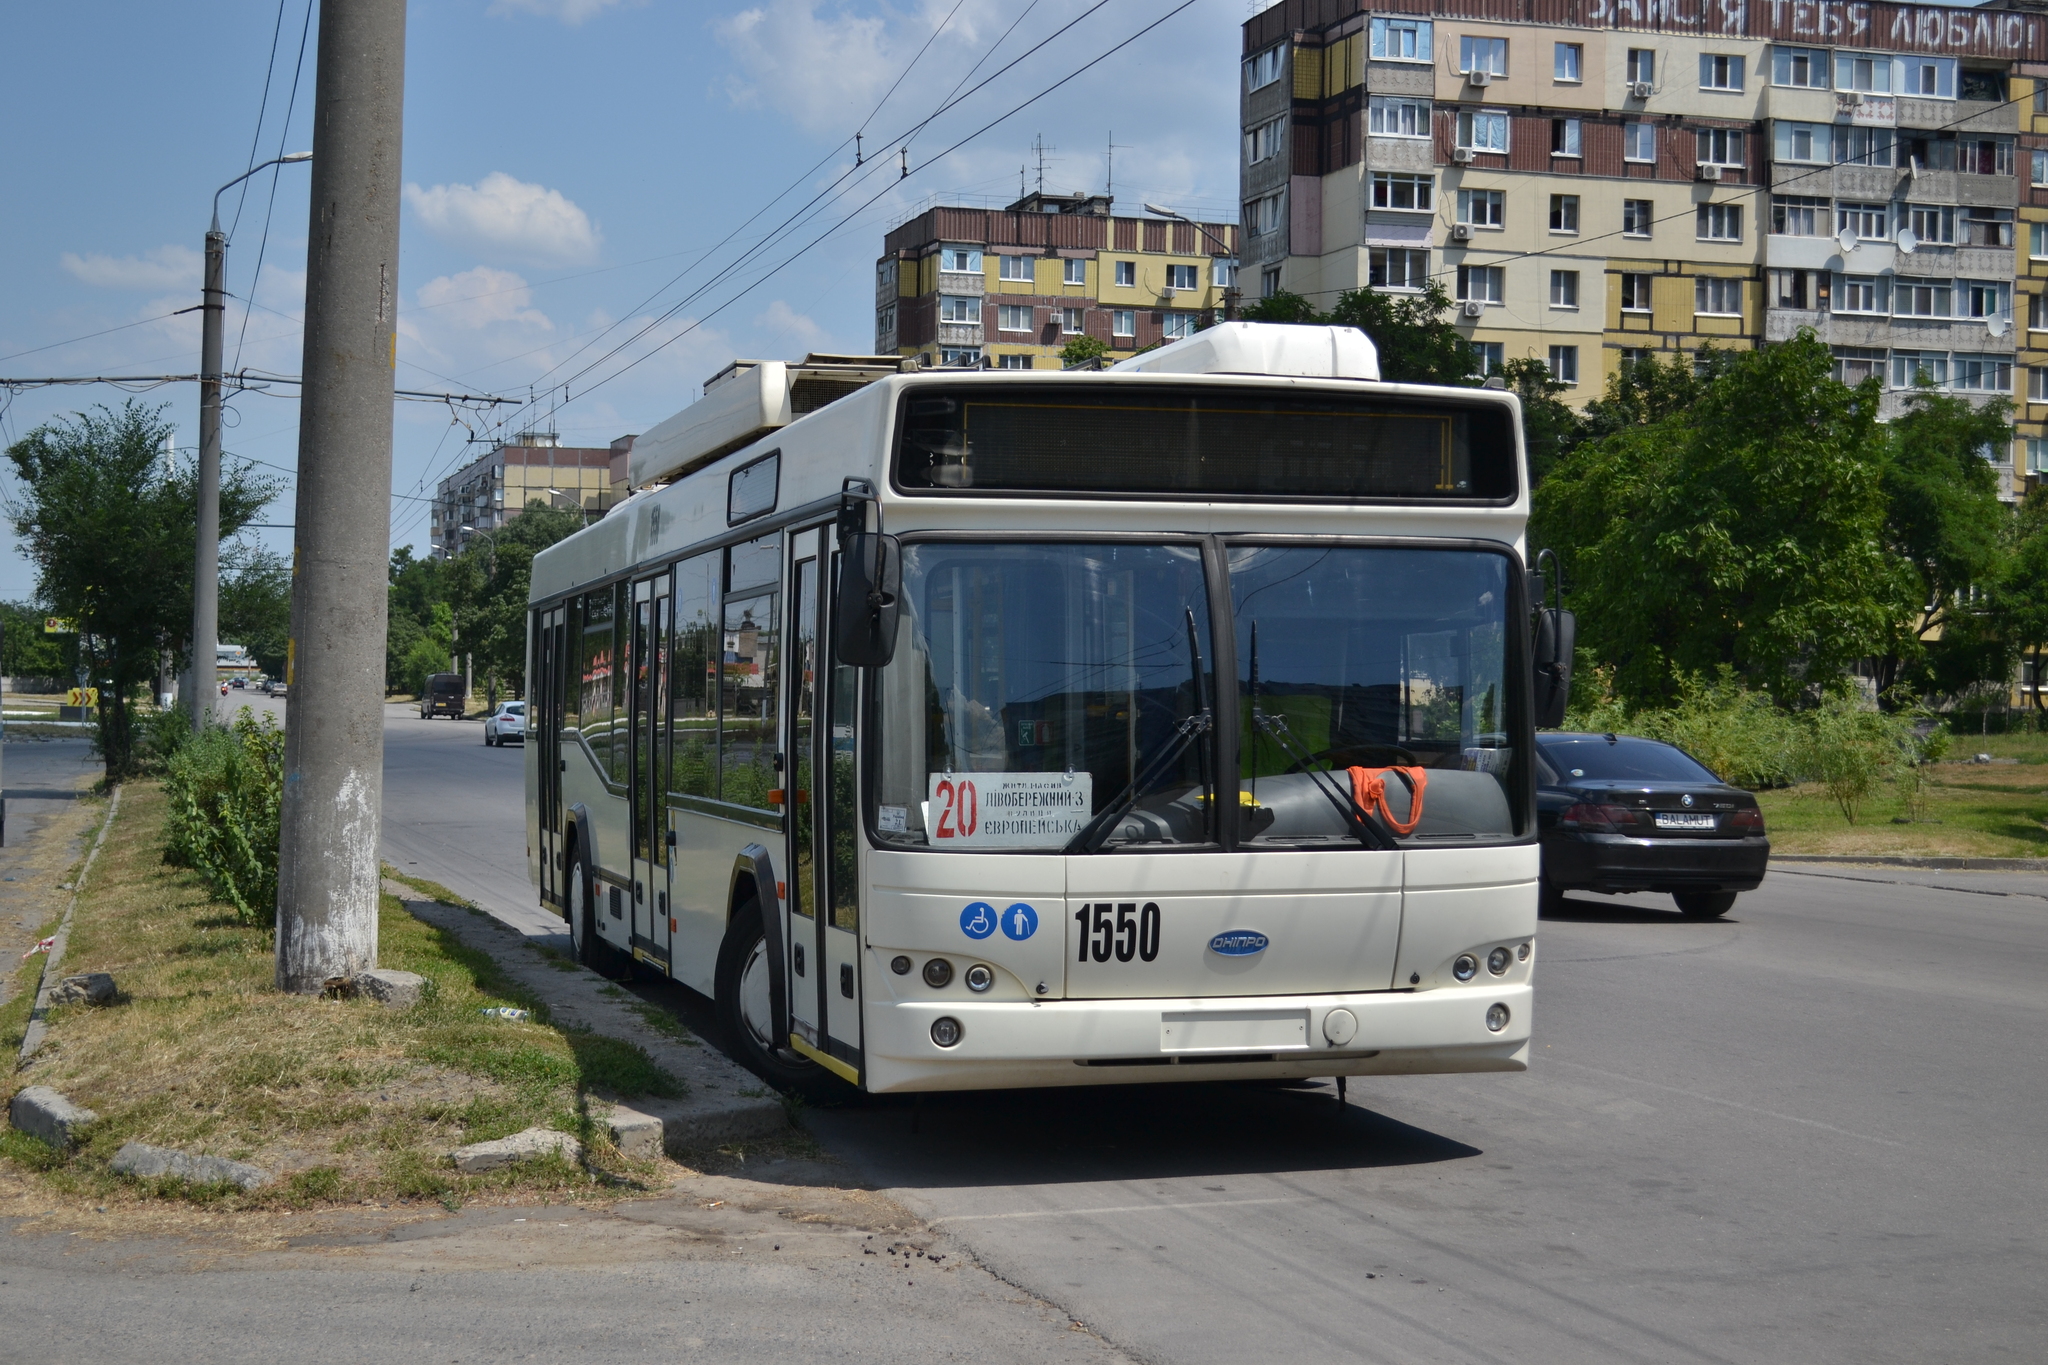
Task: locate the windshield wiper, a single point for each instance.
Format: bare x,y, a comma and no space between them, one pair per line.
1340,795
1199,722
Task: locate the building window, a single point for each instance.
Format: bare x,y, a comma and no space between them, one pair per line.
1986,226
1070,321
1176,326
2037,313
1639,142
1985,299
1984,155
1262,215
1911,367
1481,283
1390,117
1854,364
1933,224
1567,61
1635,292
967,357
2037,386
1564,364
1863,146
1073,271
1564,213
1927,78
885,320
1483,54
955,308
1803,68
1392,190
1718,222
1401,40
885,274
1262,69
1719,146
2037,455
1922,298
1868,75
1867,221
1720,71
1013,317
1398,268
1483,130
2038,176
2037,241
1636,217
1982,373
1123,322
1642,66
1565,137
1794,215
1862,294
1013,362
1564,289
1489,356
1483,208
1263,142
1807,142
1793,289
1182,278
1014,268
1981,85
1269,281
1127,274
1223,273
959,260
1716,296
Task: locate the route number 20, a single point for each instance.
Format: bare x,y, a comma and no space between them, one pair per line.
959,810
1121,928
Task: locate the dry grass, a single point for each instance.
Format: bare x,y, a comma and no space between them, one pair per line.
1995,810
346,1100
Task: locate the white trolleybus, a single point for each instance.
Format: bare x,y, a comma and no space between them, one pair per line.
957,729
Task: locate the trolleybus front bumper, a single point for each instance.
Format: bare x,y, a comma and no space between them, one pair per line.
1118,1042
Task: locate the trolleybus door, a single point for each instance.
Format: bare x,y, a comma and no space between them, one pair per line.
648,771
544,736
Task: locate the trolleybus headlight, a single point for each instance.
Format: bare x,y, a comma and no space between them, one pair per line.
1465,968
1497,961
1496,1019
937,972
900,965
979,978
946,1030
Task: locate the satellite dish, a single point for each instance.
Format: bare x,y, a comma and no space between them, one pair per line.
1908,241
1996,325
1846,239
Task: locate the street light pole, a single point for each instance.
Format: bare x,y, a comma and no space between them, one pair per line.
206,552
1231,294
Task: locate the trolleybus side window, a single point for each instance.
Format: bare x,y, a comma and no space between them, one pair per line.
843,822
694,680
800,778
748,674
571,689
596,661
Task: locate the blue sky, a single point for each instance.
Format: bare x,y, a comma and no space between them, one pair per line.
565,160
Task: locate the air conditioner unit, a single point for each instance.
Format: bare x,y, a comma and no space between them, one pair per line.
1473,308
1461,232
1710,172
1640,90
1462,155
1479,77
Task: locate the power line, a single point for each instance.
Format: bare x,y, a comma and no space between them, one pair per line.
262,108
270,207
241,380
90,335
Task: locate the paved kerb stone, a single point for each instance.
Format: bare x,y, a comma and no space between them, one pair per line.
491,1156
145,1162
635,1134
43,1113
394,990
93,988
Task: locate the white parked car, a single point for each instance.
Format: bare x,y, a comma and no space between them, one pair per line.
507,722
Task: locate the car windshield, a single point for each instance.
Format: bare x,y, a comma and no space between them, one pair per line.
1621,758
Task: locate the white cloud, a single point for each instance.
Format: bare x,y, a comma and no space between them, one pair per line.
481,298
167,267
506,218
571,12
787,330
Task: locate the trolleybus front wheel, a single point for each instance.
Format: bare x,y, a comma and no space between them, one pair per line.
591,950
746,1015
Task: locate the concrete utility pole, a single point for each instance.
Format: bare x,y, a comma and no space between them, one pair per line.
334,742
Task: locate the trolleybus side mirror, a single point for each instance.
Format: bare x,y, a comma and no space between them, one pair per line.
1557,633
864,618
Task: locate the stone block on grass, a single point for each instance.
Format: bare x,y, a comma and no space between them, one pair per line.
635,1134
145,1162
490,1156
394,990
93,988
43,1113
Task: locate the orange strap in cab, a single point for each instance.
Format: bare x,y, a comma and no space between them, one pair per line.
1369,789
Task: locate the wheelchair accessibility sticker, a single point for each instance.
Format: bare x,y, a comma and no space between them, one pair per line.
978,920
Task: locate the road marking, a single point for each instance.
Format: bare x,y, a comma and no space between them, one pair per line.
1124,1208
1716,1099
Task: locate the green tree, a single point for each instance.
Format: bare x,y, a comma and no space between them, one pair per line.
1083,349
111,536
1549,428
1745,530
1644,391
256,603
2019,597
25,651
1415,339
1281,306
489,582
418,639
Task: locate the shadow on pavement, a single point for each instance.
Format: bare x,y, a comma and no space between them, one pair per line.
1625,912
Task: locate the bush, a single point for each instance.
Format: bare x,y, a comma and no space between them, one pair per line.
1849,750
158,736
1737,732
225,788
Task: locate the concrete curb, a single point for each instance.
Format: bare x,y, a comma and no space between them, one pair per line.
32,1039
1941,864
724,1101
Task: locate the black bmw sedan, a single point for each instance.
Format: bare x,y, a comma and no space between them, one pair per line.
1623,813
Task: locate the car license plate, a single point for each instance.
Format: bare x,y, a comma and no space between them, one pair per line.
1683,820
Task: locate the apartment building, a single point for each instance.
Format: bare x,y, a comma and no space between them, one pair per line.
1008,288
491,490
2030,270
1596,180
